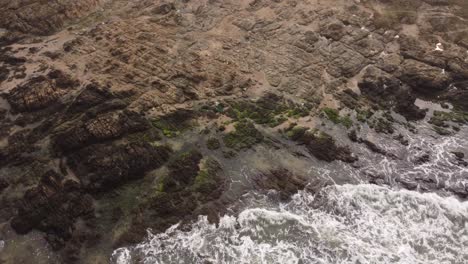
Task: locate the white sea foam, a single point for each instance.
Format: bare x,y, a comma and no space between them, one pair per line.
344,224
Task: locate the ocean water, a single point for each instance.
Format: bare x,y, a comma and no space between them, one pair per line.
342,224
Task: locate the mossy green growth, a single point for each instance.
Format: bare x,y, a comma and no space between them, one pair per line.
296,132
207,178
174,124
440,118
213,144
167,129
151,135
270,110
334,116
441,131
245,136
364,115
346,121
381,125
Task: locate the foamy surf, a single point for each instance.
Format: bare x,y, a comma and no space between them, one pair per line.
344,224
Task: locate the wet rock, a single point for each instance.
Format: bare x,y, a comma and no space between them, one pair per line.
400,138
52,207
183,171
458,95
422,159
280,180
460,158
388,91
321,145
458,154
101,167
192,187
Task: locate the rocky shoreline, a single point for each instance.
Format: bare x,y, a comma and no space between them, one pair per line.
120,116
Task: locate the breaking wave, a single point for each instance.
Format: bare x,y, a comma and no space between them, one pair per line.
342,224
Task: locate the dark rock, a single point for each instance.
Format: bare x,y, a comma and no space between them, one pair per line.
281,180
379,86
422,159
163,9
424,78
62,80
11,60
352,135
183,170
388,91
323,147
401,139
102,167
92,95
4,72
457,95
42,17
52,207
37,93
3,184
101,128
459,155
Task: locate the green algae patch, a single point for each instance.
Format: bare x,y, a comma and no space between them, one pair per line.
172,125
334,116
150,136
270,110
244,136
382,125
440,118
207,178
363,115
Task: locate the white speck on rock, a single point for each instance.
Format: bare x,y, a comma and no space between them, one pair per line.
439,47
